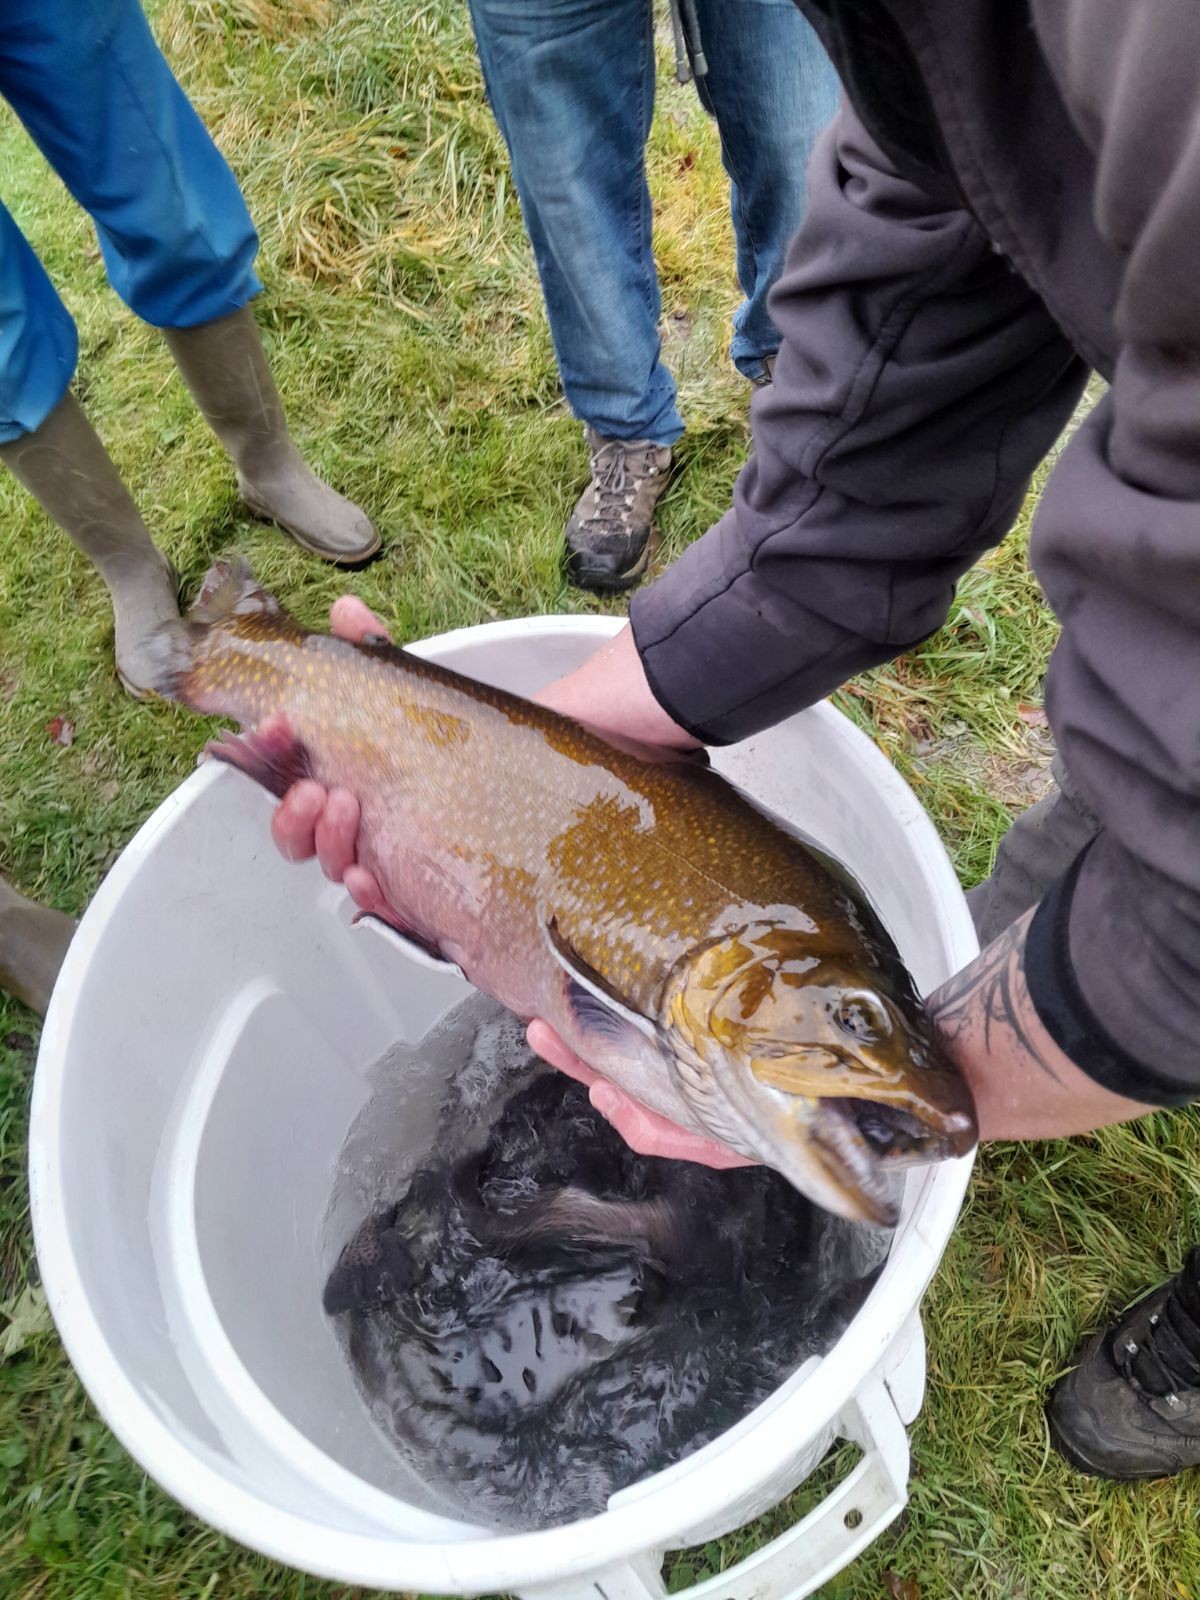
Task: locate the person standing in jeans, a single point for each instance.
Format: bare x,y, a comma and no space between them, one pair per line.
98,98
571,83
100,101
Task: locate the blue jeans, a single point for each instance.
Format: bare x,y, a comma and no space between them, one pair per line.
96,94
571,83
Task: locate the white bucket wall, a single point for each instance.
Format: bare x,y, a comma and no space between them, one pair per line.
203,1059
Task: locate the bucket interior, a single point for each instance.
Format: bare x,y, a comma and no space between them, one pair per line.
214,1050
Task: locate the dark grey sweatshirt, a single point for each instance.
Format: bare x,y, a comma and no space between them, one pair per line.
1009,197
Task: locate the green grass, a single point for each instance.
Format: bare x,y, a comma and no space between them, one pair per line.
404,319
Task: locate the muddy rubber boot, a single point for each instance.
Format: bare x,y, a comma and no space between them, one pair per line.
1131,1407
70,474
608,536
225,366
33,942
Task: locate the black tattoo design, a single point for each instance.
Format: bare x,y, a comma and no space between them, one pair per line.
992,986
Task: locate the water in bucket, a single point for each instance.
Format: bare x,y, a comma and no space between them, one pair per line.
530,1370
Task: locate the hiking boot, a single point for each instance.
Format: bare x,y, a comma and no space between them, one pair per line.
1131,1408
608,536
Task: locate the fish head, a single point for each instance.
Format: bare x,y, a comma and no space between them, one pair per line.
828,1071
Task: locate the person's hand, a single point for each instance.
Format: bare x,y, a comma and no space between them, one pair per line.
311,820
643,1130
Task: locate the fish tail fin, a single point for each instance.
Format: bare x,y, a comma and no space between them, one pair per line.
375,1267
271,755
658,1227
230,589
169,656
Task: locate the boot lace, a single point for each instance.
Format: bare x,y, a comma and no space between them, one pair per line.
617,470
1162,1361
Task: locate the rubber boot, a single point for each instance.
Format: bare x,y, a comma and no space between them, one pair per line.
70,474
225,367
33,942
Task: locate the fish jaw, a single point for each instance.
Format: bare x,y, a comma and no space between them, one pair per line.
859,1185
817,1059
816,1148
860,1193
846,1153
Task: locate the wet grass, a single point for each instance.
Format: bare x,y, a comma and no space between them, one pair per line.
404,320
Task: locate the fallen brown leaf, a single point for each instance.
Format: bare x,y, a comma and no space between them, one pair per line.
899,1588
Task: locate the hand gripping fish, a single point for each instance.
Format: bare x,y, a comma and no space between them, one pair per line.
682,941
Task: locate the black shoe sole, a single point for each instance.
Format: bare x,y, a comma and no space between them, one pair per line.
601,583
1075,1458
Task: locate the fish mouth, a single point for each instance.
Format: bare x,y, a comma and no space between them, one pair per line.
849,1145
865,1146
845,1152
815,1144
895,1136
833,1165
848,1154
936,1117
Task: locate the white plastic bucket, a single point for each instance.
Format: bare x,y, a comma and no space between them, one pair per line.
203,1059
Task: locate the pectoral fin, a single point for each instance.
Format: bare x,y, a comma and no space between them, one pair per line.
598,1008
271,757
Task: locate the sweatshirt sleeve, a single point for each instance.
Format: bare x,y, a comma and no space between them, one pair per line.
919,383
1116,546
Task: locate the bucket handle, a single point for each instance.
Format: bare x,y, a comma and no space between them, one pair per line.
811,1552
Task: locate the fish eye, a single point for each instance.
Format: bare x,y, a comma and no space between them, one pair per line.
863,1018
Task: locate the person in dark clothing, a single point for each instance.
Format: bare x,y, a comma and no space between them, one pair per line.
1009,197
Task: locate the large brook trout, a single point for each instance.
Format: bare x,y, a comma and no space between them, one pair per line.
683,942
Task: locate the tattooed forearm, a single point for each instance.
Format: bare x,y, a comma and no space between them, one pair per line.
991,997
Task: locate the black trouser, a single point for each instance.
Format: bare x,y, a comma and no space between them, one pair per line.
1033,855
